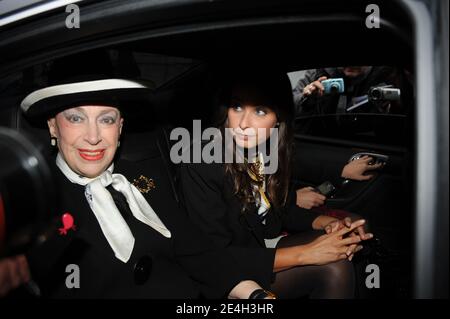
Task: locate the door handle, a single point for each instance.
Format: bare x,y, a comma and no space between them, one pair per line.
377,158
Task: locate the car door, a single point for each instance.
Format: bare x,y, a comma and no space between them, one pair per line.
415,179
331,141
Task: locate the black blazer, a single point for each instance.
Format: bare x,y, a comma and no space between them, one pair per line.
184,266
210,203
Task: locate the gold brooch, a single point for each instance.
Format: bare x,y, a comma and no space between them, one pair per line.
144,184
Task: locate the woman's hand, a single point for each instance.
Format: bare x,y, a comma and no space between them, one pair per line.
355,169
244,289
332,224
340,244
315,87
331,247
13,273
339,224
308,198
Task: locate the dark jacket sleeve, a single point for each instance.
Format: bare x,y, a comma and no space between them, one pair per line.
214,269
201,186
303,104
333,173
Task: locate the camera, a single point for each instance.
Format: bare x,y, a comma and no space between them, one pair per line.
333,86
384,93
26,193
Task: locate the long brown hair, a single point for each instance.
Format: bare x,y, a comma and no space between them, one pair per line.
275,89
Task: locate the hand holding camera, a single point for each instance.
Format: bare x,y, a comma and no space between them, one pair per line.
324,86
315,87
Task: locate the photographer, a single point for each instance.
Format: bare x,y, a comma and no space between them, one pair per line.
309,97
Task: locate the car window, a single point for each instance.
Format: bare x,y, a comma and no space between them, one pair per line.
161,69
155,68
369,104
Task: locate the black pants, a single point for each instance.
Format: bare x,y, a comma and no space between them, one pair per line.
332,281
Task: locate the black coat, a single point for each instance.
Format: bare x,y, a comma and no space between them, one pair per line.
184,266
208,195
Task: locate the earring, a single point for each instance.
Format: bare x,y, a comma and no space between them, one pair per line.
278,124
118,144
53,141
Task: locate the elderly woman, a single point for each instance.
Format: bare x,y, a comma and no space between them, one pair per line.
116,239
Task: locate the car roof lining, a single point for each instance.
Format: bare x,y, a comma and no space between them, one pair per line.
301,40
276,41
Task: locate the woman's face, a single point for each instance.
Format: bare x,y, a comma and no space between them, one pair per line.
87,137
249,119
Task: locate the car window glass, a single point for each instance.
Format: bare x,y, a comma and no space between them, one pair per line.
359,103
160,69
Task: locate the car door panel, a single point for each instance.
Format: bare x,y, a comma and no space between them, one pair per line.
382,200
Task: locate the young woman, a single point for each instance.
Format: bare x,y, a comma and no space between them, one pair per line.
241,207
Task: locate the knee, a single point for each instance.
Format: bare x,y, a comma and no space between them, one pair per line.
342,270
338,280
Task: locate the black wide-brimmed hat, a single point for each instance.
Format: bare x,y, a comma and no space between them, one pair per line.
86,79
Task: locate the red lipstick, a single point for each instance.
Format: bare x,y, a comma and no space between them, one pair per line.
91,155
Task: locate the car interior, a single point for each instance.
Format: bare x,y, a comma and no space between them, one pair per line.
186,58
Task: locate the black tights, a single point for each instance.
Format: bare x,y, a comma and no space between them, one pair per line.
332,281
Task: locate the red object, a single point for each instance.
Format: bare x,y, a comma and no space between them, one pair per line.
92,155
68,223
332,212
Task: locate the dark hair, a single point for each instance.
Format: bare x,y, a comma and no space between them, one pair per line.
276,94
